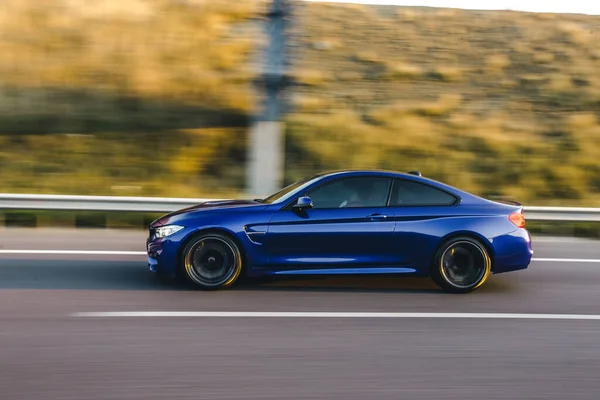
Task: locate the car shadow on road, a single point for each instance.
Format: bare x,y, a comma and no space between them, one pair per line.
133,275
362,284
81,275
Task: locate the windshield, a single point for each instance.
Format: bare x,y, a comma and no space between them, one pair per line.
291,190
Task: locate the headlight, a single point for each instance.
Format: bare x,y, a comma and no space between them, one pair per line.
167,230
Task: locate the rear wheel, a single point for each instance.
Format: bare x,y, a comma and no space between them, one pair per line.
212,261
461,265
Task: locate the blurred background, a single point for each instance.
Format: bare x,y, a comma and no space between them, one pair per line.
223,99
157,97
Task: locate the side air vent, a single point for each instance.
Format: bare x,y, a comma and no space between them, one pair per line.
417,173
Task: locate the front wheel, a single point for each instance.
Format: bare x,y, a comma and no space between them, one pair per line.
461,265
212,261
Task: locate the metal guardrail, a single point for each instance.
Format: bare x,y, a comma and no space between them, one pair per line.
569,214
166,204
94,203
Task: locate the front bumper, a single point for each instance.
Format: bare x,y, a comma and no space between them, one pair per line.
163,253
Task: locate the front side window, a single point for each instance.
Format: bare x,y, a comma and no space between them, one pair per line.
409,193
352,192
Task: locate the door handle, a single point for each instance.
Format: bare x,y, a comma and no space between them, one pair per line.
377,217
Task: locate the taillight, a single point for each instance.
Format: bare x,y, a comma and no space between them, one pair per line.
518,219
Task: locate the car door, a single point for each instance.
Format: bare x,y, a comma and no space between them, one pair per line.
421,212
349,225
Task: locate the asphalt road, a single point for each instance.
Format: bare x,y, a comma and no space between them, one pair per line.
47,353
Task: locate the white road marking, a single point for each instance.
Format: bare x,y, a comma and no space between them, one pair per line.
571,260
143,253
386,315
564,239
85,252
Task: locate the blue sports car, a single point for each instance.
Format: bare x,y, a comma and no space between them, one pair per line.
345,222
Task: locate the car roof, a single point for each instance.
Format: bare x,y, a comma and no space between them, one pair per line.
414,175
380,172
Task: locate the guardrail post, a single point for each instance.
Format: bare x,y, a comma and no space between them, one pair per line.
267,134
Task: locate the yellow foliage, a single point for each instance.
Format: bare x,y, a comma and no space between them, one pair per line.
310,77
447,73
404,70
497,61
582,120
308,103
543,58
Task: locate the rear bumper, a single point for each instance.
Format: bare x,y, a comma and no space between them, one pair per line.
512,252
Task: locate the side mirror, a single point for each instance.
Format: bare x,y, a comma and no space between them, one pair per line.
303,203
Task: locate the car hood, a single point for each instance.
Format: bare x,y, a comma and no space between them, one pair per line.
213,205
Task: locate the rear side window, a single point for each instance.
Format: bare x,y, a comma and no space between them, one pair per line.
408,193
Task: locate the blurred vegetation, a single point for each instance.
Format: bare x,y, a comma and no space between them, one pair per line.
125,97
499,103
153,97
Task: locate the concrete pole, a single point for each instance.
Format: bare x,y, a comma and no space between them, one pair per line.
266,147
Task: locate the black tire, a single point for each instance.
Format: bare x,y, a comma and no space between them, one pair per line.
461,265
212,261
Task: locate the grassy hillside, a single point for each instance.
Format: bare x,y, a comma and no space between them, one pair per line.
125,97
153,97
501,103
